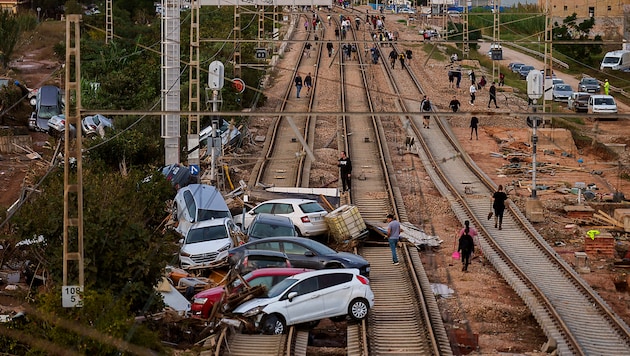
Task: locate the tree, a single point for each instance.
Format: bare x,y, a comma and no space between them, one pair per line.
124,252
11,29
571,30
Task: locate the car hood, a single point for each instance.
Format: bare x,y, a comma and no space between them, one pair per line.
211,293
204,247
607,108
254,303
351,260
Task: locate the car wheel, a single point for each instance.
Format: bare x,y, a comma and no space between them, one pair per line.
358,309
297,229
274,325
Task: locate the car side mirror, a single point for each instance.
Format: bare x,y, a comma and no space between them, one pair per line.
181,241
292,295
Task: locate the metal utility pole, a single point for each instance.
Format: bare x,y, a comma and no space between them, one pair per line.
237,42
170,90
73,168
496,68
194,90
466,45
109,22
548,71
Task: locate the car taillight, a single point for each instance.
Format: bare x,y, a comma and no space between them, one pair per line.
305,219
363,280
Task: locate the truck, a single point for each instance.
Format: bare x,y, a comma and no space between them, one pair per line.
616,60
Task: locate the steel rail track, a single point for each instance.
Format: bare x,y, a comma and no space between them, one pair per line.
407,321
567,309
285,159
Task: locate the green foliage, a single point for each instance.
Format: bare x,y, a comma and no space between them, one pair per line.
91,329
123,251
73,7
11,27
571,30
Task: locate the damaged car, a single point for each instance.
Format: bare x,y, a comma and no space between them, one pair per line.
307,298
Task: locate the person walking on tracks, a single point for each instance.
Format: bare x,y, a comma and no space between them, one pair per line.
329,46
401,58
498,205
392,57
493,95
393,236
472,90
474,123
298,85
345,171
308,81
454,104
466,244
425,106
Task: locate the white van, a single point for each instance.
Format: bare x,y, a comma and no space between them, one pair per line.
602,104
616,60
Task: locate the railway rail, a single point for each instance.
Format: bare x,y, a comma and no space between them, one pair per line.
570,313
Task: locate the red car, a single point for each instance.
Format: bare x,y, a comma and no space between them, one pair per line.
269,277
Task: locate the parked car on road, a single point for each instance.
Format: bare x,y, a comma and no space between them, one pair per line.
561,92
96,125
602,104
523,71
269,225
578,101
207,242
308,297
204,301
307,215
516,66
48,103
589,85
305,253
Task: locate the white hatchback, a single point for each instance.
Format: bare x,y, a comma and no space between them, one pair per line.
309,297
602,104
307,215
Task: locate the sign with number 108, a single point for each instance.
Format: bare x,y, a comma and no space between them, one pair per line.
72,296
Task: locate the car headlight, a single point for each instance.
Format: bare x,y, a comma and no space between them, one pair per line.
254,311
200,300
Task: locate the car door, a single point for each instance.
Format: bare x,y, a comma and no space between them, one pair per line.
337,288
301,256
307,305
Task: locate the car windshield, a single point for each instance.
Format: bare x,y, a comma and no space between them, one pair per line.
561,87
281,287
611,60
269,230
46,112
238,281
212,214
208,233
311,207
526,68
604,101
589,81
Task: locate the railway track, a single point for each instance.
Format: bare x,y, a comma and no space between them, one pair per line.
570,313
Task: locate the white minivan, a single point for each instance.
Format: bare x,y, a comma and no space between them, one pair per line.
602,104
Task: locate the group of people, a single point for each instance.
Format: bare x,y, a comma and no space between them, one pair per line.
393,56
307,81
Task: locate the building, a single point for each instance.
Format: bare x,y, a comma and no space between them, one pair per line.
11,5
585,8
